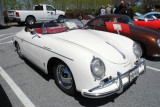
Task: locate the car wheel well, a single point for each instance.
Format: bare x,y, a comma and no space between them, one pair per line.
15,43
30,20
30,16
52,62
61,16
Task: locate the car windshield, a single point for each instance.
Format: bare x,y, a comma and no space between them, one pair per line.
125,20
150,17
57,26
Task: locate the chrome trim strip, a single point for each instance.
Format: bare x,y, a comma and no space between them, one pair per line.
45,49
124,57
120,83
100,95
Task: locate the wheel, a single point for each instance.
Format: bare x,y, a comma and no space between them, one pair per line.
63,78
30,21
60,17
19,51
21,23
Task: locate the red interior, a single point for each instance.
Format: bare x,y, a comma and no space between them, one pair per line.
48,30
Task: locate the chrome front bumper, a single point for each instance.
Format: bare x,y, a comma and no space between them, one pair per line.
93,94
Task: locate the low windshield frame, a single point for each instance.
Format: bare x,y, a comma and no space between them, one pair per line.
62,22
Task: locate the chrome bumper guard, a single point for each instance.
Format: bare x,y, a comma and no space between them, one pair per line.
121,86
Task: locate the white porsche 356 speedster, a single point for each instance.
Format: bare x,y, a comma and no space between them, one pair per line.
95,63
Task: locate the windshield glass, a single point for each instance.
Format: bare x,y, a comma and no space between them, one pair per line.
125,20
150,17
57,26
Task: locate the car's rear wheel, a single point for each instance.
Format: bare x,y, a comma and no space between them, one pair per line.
63,78
30,21
18,49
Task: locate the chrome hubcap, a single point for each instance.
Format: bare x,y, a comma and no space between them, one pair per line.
64,76
31,21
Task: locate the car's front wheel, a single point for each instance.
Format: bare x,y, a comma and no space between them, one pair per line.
63,78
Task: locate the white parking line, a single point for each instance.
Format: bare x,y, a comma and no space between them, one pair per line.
6,37
6,42
6,34
155,69
22,97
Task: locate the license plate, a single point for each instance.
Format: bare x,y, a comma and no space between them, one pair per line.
133,74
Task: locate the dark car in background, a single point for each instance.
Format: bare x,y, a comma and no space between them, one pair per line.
148,38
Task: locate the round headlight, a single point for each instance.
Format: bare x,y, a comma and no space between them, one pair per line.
97,68
137,50
158,42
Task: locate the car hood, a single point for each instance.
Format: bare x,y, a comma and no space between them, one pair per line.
96,44
60,12
144,30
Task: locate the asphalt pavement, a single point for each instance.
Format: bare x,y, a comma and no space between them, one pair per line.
35,88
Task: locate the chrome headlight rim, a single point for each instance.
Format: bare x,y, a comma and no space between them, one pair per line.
158,42
98,71
137,50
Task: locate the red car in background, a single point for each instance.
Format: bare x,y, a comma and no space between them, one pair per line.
150,21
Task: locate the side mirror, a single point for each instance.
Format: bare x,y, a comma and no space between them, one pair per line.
33,32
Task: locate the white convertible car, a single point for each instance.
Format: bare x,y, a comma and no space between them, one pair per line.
95,63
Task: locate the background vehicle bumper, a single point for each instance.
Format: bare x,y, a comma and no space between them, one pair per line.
115,85
13,19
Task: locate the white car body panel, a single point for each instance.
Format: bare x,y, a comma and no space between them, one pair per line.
77,48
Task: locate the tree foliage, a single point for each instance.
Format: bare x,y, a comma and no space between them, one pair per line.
73,5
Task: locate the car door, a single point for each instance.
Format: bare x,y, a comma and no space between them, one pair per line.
39,10
34,45
51,12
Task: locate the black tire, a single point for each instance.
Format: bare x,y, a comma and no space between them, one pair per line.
63,78
21,23
30,21
60,17
18,49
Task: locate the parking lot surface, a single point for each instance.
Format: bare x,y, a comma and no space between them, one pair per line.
29,86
